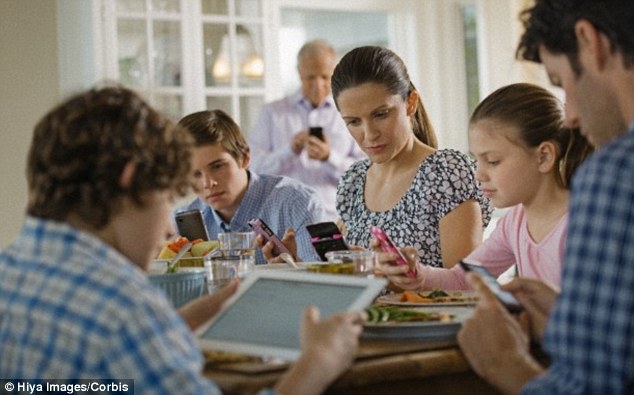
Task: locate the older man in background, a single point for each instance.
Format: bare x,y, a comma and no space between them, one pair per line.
302,135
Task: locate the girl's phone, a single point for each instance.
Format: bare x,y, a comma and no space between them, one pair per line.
261,228
388,246
508,300
190,224
326,237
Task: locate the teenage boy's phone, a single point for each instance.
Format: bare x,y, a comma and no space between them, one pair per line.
317,131
190,224
261,228
508,300
325,237
388,246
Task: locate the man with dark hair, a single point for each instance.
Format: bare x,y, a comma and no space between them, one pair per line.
587,48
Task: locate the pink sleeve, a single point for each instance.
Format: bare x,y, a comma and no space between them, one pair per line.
495,253
447,279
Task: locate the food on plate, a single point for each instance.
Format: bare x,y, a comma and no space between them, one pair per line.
221,357
435,296
204,247
336,268
199,247
381,314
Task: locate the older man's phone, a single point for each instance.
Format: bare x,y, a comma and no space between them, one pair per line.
508,300
190,224
261,228
326,237
388,246
317,131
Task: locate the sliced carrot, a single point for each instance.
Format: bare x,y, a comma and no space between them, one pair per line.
178,243
412,296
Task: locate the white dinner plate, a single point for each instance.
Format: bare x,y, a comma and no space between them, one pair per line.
462,298
420,330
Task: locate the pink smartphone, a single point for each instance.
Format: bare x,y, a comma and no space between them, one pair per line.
261,228
388,246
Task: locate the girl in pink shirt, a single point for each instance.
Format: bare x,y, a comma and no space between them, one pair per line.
525,160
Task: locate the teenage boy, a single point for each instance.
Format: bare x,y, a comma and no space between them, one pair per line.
229,194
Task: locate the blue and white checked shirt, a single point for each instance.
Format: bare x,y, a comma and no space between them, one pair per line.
72,307
281,202
590,335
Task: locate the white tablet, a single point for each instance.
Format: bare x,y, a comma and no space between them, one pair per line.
263,318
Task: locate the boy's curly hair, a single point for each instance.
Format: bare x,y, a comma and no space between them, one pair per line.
80,148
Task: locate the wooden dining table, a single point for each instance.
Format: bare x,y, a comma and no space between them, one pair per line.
392,367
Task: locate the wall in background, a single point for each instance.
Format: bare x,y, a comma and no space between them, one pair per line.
32,79
30,86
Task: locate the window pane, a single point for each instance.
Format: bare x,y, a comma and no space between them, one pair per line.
166,5
132,48
249,55
470,26
217,54
130,5
345,30
167,54
249,111
217,7
220,103
250,8
170,105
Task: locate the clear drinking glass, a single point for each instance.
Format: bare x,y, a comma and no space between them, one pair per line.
237,243
222,269
364,261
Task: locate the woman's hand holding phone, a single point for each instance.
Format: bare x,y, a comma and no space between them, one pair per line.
388,245
397,274
405,271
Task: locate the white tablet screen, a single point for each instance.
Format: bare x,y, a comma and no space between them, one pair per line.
265,318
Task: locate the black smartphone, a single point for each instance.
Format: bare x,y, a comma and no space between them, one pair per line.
326,237
508,300
317,131
261,228
190,224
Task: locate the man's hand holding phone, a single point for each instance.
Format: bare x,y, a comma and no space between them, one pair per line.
492,332
298,141
538,299
317,145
